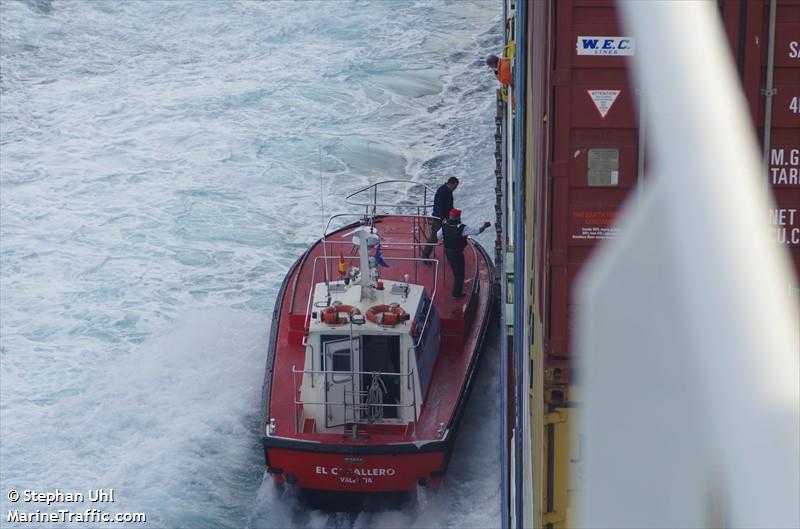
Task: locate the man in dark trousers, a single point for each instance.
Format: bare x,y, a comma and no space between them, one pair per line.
442,204
454,234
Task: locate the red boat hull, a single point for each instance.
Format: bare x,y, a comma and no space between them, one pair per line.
386,459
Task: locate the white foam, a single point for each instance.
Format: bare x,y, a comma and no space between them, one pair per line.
159,175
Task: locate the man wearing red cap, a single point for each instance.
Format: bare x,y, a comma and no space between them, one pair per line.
454,234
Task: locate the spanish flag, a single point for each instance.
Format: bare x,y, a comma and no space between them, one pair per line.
342,268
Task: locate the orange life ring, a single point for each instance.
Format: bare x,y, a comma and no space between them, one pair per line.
333,315
389,315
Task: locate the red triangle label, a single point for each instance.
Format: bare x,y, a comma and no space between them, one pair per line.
603,100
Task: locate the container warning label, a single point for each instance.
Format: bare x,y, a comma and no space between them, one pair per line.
603,100
593,225
784,166
606,46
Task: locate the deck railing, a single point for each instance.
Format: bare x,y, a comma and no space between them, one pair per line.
370,217
357,407
329,247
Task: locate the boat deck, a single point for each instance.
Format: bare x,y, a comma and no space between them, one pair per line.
461,329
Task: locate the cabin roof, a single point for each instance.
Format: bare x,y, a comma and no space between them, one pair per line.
407,296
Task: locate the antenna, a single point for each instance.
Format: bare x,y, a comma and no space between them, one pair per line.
369,163
322,213
369,178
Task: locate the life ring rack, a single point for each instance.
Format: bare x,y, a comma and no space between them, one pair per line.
338,314
387,315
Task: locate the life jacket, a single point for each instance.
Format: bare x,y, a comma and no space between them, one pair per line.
504,70
453,237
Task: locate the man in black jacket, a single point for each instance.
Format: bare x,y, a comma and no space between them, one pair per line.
442,204
454,234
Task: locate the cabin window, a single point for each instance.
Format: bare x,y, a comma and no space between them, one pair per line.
381,354
603,167
427,344
340,360
422,313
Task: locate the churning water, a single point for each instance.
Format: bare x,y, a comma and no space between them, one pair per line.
159,172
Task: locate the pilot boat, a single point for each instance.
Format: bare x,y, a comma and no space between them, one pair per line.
371,359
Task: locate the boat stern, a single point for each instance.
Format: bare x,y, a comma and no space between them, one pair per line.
361,473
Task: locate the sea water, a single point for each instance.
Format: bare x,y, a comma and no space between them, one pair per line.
162,164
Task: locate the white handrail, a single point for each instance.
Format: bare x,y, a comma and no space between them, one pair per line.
374,188
298,401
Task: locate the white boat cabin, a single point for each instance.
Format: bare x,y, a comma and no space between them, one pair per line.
370,352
